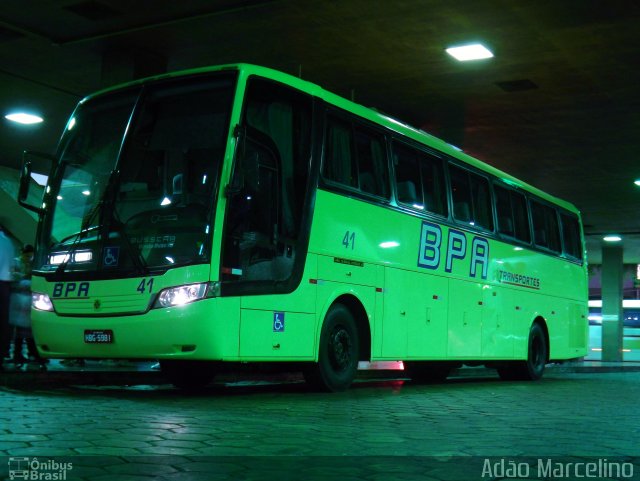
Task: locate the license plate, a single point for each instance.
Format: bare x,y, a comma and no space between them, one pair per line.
92,336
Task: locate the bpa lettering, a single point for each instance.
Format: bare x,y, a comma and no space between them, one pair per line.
456,249
71,289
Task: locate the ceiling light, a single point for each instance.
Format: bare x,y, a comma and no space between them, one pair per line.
23,118
474,51
612,238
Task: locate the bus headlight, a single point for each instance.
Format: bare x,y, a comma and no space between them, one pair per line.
181,295
41,302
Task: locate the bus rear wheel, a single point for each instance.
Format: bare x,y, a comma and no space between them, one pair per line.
338,353
533,368
188,375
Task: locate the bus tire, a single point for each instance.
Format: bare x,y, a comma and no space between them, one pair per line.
537,354
338,352
188,375
426,372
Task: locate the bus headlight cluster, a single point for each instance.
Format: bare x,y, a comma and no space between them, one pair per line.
178,296
58,258
41,302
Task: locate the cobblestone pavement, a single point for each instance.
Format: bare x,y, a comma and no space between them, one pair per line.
383,430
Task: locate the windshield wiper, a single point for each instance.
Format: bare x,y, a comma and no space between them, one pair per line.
83,230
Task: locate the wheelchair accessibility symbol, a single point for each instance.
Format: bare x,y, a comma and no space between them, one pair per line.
278,322
111,256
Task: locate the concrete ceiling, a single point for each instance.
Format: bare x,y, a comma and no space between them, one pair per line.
558,106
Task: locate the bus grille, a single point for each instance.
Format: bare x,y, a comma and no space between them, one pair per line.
102,306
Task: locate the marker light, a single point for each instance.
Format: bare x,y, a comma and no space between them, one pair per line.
181,295
612,238
389,244
23,118
465,53
41,302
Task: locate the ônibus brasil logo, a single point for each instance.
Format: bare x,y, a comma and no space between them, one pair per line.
38,470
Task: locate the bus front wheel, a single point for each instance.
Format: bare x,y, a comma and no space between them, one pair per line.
537,354
338,352
188,375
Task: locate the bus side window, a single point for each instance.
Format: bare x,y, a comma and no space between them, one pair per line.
435,194
407,172
504,212
339,163
481,197
471,198
571,235
420,179
520,217
511,210
545,226
372,163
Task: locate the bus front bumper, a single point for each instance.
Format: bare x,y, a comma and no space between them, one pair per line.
203,330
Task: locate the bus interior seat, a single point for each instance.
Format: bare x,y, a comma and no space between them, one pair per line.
461,211
505,226
177,184
430,203
367,182
407,192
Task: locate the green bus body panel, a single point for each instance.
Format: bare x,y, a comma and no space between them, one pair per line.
383,258
432,314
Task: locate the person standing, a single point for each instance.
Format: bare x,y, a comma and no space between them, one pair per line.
20,311
7,254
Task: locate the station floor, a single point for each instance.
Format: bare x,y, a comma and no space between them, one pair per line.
118,422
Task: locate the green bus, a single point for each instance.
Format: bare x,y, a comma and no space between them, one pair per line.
236,214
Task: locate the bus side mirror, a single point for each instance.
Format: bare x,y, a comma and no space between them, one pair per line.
25,179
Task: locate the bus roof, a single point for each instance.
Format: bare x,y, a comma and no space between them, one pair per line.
362,111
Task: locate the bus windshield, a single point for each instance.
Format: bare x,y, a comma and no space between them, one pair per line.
136,179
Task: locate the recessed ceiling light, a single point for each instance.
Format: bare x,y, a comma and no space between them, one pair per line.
612,238
23,118
474,51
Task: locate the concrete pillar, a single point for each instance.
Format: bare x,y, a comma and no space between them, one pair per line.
612,316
